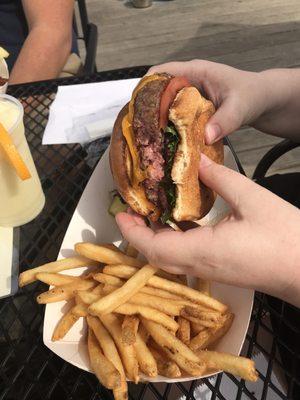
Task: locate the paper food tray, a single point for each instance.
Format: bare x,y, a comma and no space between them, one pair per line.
92,223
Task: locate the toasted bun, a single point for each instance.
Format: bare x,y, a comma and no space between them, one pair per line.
120,165
189,113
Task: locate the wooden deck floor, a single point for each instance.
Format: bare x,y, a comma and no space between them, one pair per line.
253,35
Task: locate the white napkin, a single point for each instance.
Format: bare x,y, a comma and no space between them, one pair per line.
82,113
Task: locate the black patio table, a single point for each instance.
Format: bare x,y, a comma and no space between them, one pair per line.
28,369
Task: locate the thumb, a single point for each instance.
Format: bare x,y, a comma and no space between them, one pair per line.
237,190
226,119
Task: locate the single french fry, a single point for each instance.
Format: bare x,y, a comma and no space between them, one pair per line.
153,292
98,290
165,339
110,302
206,315
184,330
165,367
64,325
160,293
122,393
200,339
203,286
109,279
127,353
204,322
131,251
105,255
130,327
209,336
108,346
127,271
170,286
54,279
145,358
64,292
235,365
149,314
29,276
105,371
80,310
166,306
88,297
143,333
187,292
196,328
111,246
175,349
191,367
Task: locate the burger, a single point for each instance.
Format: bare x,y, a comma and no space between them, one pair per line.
155,149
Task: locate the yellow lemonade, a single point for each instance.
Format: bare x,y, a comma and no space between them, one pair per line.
20,200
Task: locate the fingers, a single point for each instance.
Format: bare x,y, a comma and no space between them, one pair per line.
237,190
226,120
195,70
167,249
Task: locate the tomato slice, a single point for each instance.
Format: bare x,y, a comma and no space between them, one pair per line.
175,85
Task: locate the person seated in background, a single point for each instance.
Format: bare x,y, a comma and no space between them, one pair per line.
39,38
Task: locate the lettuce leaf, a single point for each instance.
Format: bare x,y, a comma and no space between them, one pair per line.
171,144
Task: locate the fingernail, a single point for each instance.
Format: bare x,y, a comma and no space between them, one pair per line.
205,161
212,133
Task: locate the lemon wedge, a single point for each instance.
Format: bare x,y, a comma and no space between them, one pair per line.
12,154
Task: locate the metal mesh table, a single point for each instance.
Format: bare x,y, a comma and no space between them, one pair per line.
28,370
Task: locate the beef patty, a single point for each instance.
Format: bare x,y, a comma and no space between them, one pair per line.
149,139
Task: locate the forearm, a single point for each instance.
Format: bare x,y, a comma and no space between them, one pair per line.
282,98
43,55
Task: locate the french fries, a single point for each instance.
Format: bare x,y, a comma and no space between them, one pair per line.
109,279
208,336
80,310
165,367
165,339
106,343
29,276
105,371
127,271
235,365
64,325
145,358
139,321
64,292
127,352
145,335
108,303
130,327
54,279
173,287
184,330
105,255
149,314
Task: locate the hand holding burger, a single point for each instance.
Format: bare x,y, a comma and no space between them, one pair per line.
257,246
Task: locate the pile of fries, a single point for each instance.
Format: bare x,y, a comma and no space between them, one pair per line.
140,319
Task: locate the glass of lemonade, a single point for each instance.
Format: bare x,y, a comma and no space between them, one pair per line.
20,200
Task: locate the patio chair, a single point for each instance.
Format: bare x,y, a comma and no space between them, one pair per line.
88,33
